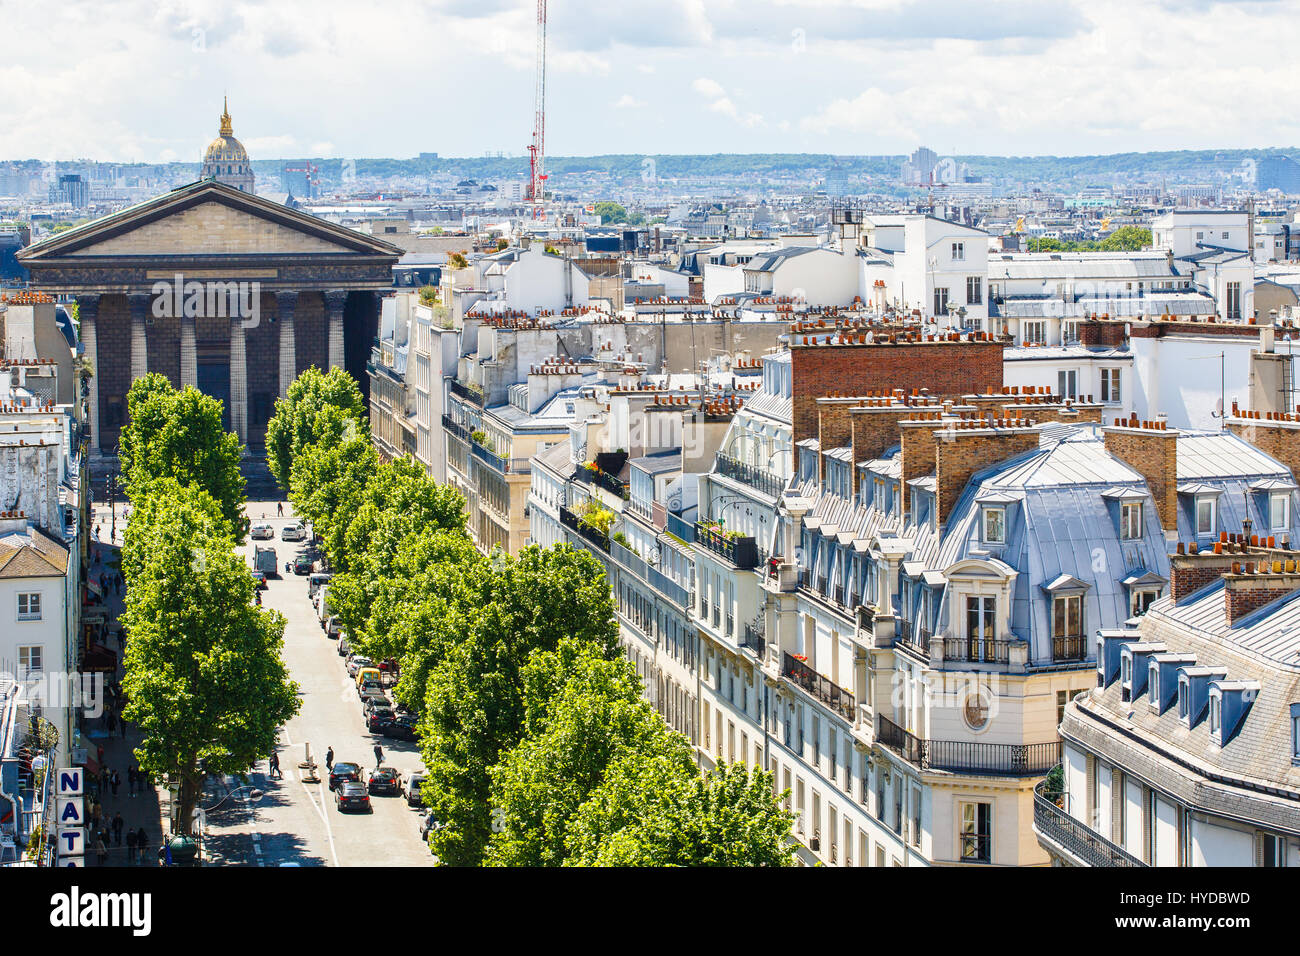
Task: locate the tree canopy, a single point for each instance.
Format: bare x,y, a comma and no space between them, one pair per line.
294,424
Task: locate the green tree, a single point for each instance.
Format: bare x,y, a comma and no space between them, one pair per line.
204,679
655,809
1126,239
329,475
165,512
596,714
293,426
474,704
610,212
179,435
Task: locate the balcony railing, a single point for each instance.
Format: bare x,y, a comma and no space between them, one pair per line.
1070,648
505,466
754,640
829,693
767,482
602,480
976,651
469,394
669,588
679,528
914,638
457,429
962,756
742,551
570,520
1058,828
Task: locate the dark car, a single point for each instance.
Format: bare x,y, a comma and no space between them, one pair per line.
303,565
373,699
400,727
259,579
412,790
344,772
385,780
352,796
377,716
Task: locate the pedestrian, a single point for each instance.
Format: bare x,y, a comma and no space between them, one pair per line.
329,759
379,755
275,766
115,782
118,824
141,844
121,725
96,531
279,509
103,781
130,779
101,851
130,847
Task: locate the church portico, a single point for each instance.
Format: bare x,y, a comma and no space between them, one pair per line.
238,315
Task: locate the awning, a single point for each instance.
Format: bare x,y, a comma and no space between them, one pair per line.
99,658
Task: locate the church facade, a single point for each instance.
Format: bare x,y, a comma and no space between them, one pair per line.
217,288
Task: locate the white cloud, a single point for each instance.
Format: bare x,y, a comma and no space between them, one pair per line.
628,102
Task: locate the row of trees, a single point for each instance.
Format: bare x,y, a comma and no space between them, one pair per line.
538,745
1123,239
204,677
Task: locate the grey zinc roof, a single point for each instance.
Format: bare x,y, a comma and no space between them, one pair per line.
1226,466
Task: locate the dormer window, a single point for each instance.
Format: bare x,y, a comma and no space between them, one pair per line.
1279,511
1153,684
1130,521
1206,508
1295,734
1184,697
1216,715
995,526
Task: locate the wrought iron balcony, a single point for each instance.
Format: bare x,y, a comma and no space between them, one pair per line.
1070,648
572,521
602,480
740,550
976,651
679,528
825,690
914,638
468,393
754,640
455,428
767,482
1061,833
962,756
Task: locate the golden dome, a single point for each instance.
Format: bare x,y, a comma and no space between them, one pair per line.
225,159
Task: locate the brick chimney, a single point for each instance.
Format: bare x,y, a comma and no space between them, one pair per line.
1150,449
1244,592
875,429
1254,572
834,426
1274,433
966,446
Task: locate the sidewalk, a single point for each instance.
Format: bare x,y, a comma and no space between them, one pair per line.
145,807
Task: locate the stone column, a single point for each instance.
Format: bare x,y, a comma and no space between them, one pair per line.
88,313
189,354
139,336
335,299
285,304
238,380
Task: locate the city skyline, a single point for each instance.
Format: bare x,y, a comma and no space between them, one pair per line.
688,77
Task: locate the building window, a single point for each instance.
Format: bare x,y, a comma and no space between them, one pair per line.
1034,333
1153,684
1279,509
1270,850
1130,521
1295,733
1183,704
1141,600
940,301
1216,715
1067,383
31,661
995,525
980,627
1067,616
1110,386
976,833
29,606
959,252
1233,304
974,290
1205,508
1069,332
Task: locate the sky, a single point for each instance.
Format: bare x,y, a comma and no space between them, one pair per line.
142,80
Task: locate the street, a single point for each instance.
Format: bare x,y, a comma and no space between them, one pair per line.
297,822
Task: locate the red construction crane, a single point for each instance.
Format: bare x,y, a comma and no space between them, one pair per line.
537,151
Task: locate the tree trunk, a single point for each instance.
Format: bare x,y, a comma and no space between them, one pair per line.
187,798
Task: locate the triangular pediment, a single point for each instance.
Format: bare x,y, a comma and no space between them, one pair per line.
206,219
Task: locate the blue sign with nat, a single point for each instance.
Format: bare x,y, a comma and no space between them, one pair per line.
70,781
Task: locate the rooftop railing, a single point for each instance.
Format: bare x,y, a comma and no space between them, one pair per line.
968,756
823,688
1056,827
740,550
769,483
468,393
680,528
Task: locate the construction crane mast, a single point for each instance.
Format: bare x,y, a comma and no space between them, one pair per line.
537,150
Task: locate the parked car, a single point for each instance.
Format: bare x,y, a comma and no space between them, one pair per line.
344,646
377,716
352,796
293,532
367,673
264,560
303,564
343,772
372,699
262,532
400,727
314,582
412,789
259,580
356,662
384,780
332,628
